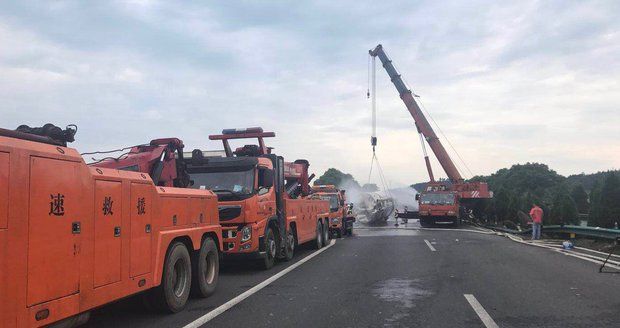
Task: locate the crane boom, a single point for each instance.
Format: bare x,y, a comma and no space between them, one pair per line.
420,120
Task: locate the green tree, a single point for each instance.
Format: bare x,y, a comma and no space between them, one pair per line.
606,203
337,178
595,204
580,197
562,208
504,204
518,187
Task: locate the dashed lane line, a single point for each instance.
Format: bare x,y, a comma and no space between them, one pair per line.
428,243
226,306
480,311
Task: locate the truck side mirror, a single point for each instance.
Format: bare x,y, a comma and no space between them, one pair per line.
265,178
417,196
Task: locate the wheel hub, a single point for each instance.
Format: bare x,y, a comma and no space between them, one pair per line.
179,278
272,248
210,268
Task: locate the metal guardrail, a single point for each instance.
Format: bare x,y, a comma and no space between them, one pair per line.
578,230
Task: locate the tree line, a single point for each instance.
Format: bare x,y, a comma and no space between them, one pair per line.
343,180
565,200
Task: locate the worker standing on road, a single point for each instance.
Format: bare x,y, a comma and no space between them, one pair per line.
536,213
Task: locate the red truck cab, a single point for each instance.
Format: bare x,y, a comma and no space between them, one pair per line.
438,204
340,213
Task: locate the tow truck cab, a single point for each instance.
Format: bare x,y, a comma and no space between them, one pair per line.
439,205
263,205
247,199
340,213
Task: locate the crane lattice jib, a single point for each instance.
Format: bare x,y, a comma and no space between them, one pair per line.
421,121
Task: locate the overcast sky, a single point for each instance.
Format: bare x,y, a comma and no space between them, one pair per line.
507,82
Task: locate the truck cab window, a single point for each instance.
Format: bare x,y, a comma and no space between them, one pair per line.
265,180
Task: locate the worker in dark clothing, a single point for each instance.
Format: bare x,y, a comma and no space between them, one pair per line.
536,213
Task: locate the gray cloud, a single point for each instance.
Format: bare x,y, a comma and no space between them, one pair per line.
490,73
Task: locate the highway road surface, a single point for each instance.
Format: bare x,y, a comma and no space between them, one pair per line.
400,277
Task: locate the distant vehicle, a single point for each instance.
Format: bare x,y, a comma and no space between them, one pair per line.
340,213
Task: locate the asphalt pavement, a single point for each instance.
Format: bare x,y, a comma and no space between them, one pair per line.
400,277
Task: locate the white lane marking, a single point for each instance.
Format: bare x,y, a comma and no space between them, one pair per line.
222,308
597,252
428,243
561,251
480,311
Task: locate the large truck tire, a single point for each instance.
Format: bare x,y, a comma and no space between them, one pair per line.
270,249
289,246
205,269
171,296
72,322
319,235
424,223
326,232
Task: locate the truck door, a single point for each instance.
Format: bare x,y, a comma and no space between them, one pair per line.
140,244
56,211
108,213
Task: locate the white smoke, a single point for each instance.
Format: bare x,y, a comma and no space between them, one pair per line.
404,197
352,191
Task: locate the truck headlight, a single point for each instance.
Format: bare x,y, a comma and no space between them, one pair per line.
335,220
451,212
246,233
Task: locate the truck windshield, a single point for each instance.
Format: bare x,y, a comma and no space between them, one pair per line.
333,201
437,199
233,182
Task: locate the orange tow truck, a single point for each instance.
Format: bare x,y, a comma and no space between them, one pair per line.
74,237
265,211
263,202
340,213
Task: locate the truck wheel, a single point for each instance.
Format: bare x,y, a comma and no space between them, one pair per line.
319,235
326,232
172,294
270,250
289,247
424,224
205,269
349,229
71,322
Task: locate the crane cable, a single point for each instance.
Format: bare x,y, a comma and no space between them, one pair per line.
372,86
383,180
